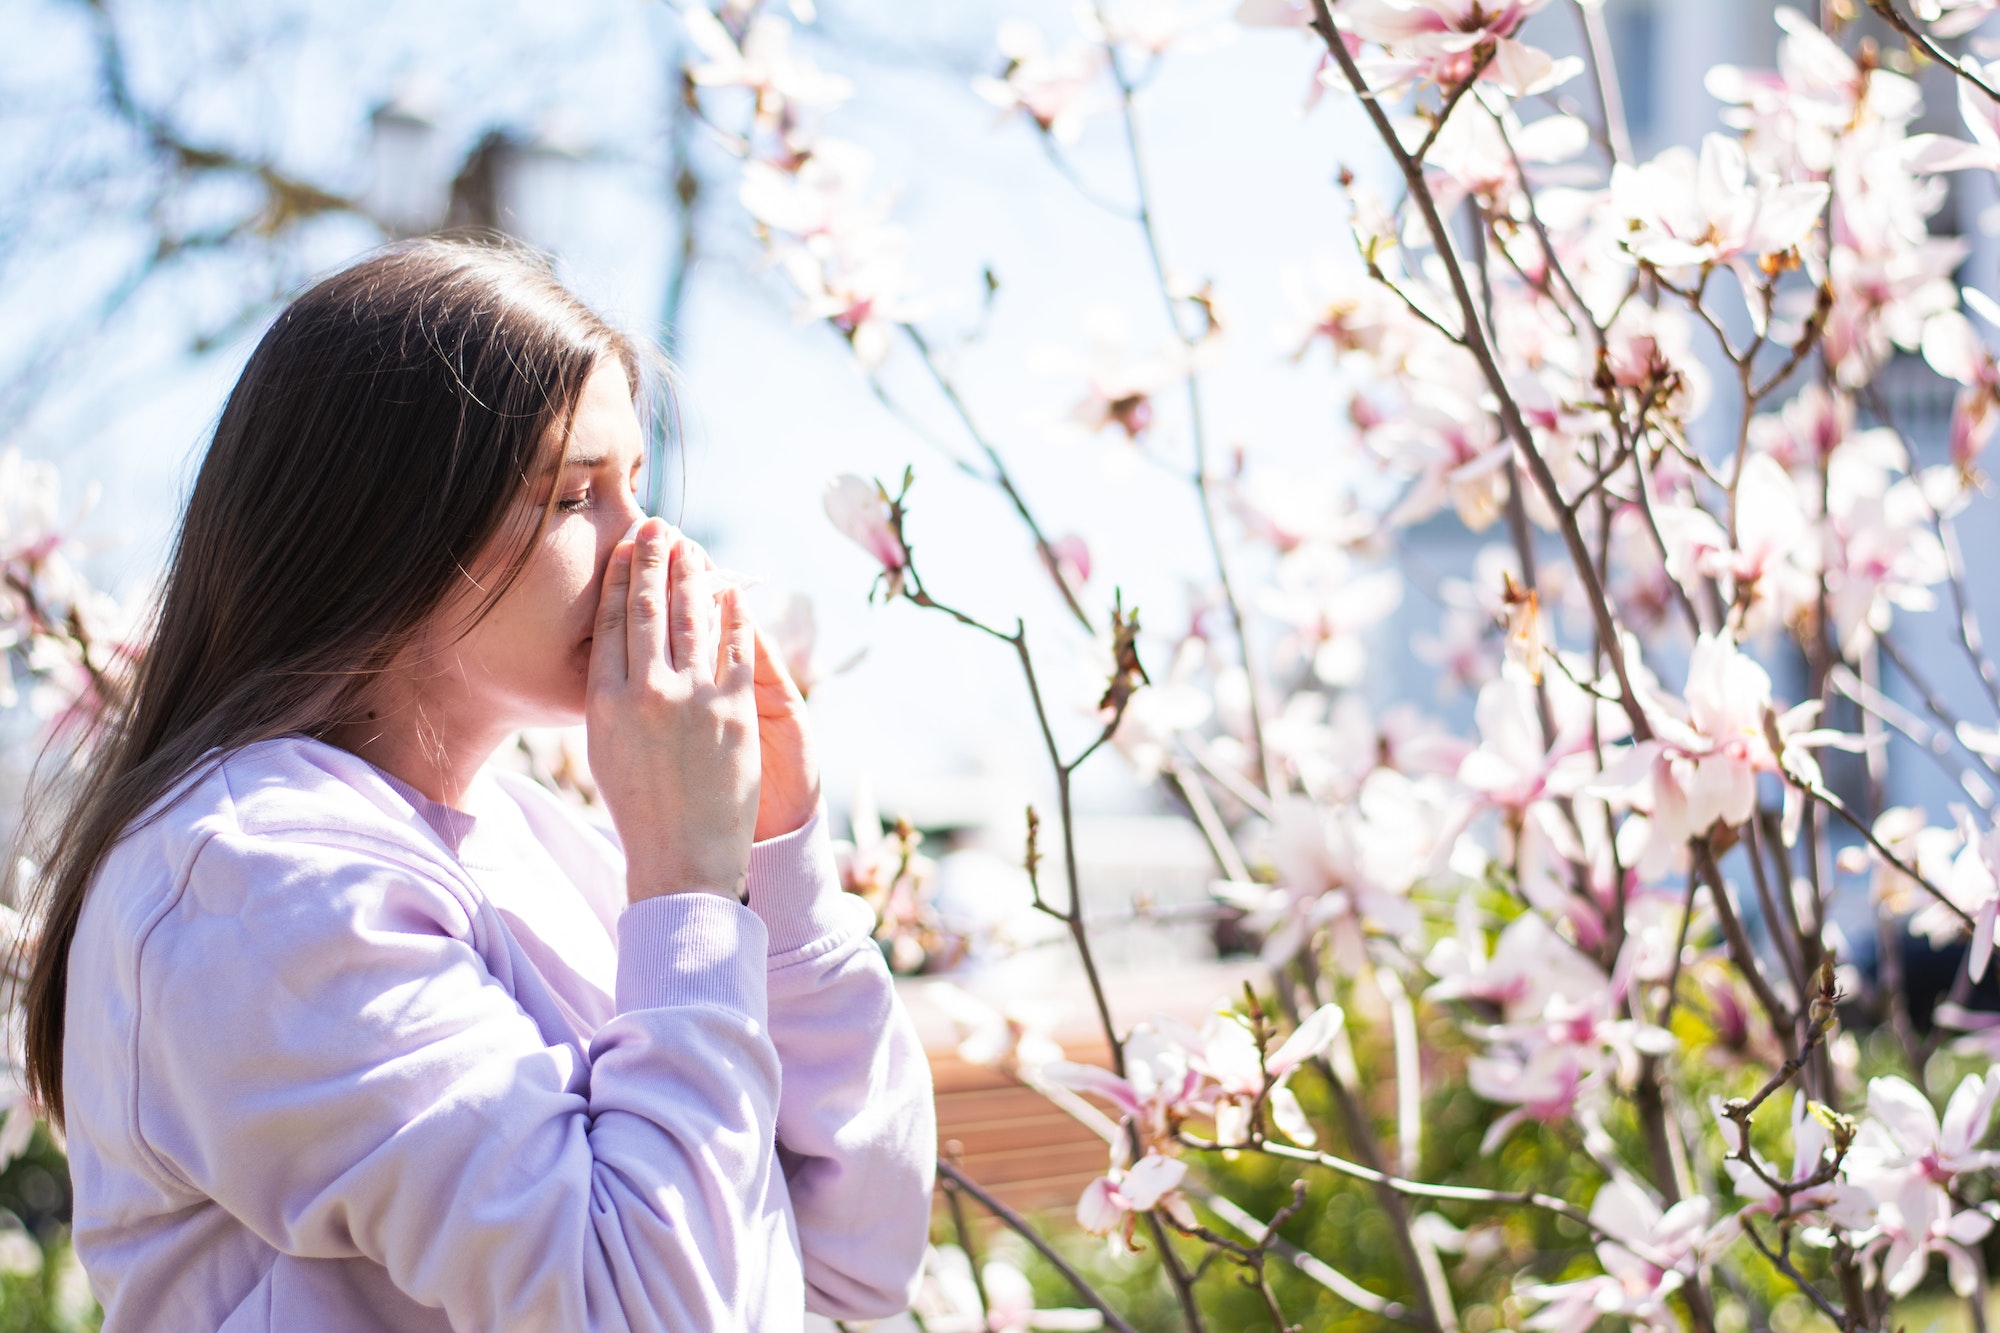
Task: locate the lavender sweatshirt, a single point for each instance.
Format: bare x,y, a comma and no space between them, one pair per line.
341,1060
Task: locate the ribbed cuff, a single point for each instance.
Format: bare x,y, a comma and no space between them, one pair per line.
795,888
691,948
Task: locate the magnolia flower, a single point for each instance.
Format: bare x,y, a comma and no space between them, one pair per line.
1917,1220
1649,350
1530,966
1460,456
1437,41
1884,294
1054,91
1229,1056
1335,746
1648,1255
1903,1133
1955,862
1806,430
1011,1037
885,870
862,287
1769,576
1980,1026
950,1301
1955,350
1879,549
764,64
862,510
794,632
1120,388
1111,1202
59,630
1796,116
1541,1081
1476,150
821,200
1345,871
1514,767
835,243
1955,18
1685,213
1161,1086
1330,607
1910,1161
1701,768
1286,512
1544,1065
1174,1073
1335,299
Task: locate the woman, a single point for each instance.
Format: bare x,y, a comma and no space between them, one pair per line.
349,1030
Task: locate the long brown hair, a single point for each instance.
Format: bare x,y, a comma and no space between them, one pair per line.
373,445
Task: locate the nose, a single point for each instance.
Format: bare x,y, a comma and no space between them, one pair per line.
621,520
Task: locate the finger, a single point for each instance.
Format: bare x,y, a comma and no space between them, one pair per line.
742,650
773,681
607,636
690,636
711,605
646,613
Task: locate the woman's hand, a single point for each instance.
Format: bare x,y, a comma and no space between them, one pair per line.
790,791
672,718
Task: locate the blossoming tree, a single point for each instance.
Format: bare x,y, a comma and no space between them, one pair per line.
1615,891
1602,915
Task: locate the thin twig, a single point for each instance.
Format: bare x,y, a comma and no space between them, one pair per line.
1477,342
952,1178
1001,477
1197,428
1923,42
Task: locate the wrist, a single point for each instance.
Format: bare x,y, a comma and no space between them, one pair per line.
643,881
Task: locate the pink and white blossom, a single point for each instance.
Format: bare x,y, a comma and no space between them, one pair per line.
1437,41
864,514
1058,92
1647,1256
764,64
1112,1203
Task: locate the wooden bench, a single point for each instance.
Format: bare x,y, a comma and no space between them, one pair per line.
1030,1153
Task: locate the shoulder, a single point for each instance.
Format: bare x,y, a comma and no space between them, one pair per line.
261,871
292,824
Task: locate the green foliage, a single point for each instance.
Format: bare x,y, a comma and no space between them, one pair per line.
42,1287
1500,1248
54,1299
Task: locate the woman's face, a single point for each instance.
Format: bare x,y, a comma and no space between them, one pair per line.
527,660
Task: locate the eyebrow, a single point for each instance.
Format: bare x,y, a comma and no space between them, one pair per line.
583,460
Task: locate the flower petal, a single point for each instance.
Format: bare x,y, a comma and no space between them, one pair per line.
1313,1036
1152,1177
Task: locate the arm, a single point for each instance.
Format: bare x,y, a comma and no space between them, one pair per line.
857,1130
324,1055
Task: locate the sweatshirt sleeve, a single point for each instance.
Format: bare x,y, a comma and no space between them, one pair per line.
324,1054
857,1129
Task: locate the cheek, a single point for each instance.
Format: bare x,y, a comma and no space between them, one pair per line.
553,599
570,577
